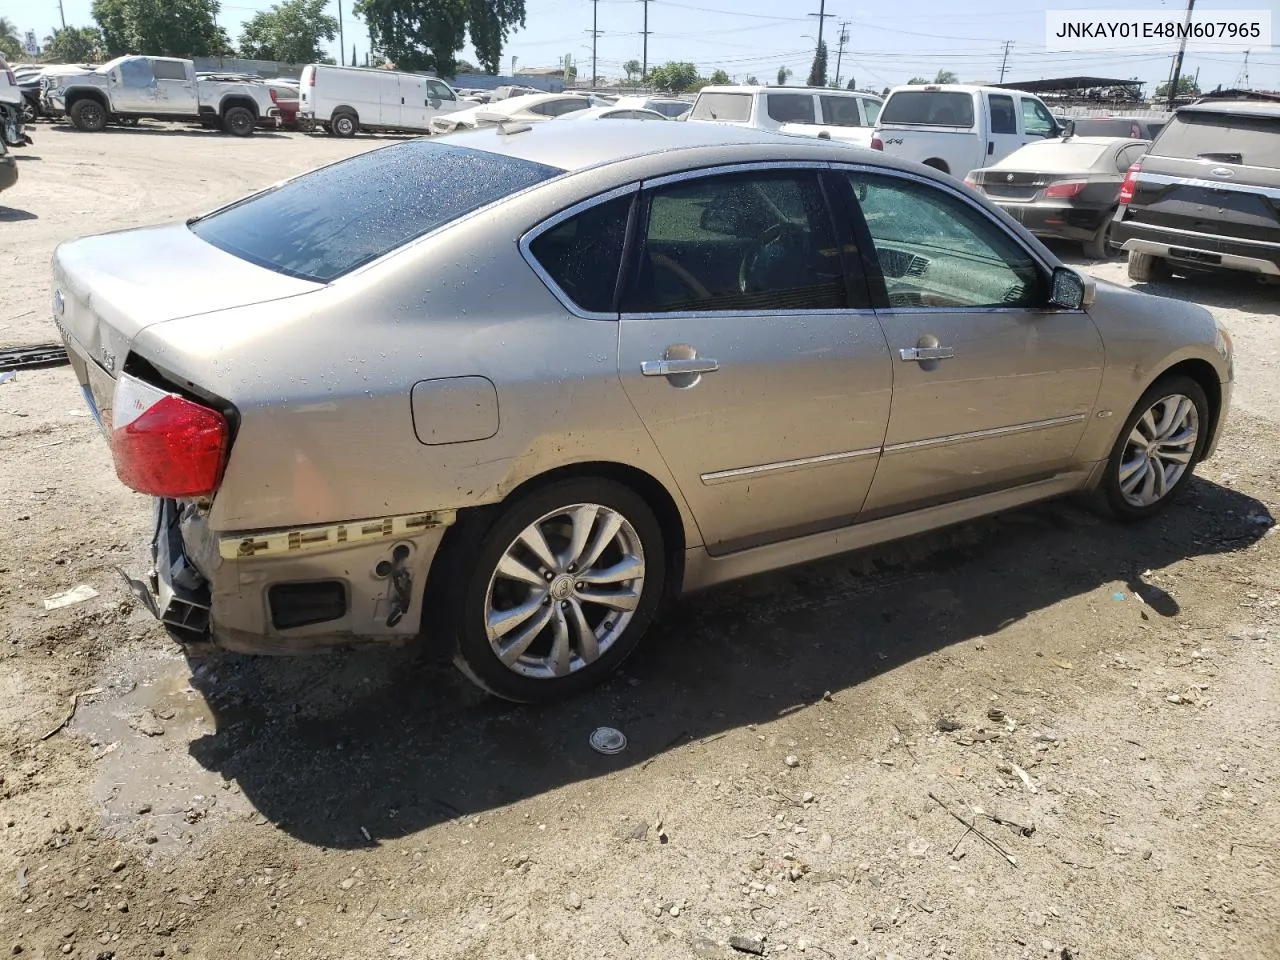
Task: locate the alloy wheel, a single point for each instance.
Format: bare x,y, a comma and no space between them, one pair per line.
564,591
1158,450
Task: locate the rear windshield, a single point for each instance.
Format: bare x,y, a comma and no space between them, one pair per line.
331,221
722,106
930,107
1221,137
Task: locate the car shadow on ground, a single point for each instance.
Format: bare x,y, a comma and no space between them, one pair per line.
396,742
145,131
1233,291
13,215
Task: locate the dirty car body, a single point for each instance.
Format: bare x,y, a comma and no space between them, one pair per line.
569,372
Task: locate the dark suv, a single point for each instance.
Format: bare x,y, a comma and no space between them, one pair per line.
1207,194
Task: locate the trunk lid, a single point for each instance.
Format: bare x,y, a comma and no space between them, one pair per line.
1014,184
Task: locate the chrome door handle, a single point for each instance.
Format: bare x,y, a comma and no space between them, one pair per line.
921,354
669,368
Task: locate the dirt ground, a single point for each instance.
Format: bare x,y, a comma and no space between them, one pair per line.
1099,702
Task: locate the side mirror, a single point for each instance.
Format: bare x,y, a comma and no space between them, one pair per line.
1068,129
1070,290
824,135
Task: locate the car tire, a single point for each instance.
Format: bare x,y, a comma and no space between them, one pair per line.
1098,247
1171,420
88,115
239,122
29,112
572,640
1146,267
344,124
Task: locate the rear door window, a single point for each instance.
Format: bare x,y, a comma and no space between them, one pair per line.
582,255
169,70
734,107
939,108
790,107
840,111
1003,118
340,217
1223,138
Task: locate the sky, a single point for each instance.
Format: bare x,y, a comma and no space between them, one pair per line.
889,42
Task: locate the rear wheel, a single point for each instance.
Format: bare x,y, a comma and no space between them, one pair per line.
1144,267
89,116
1098,247
553,596
1157,449
344,124
239,121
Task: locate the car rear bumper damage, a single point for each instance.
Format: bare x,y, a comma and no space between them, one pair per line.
290,591
1194,250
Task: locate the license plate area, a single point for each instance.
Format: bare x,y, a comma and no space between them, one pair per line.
1195,256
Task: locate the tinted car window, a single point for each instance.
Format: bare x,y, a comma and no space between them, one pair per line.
330,221
722,106
929,107
1003,118
872,110
1036,120
935,250
582,254
1254,141
1129,156
790,107
169,70
558,108
747,241
841,111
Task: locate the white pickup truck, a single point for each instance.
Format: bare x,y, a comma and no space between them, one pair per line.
157,88
956,128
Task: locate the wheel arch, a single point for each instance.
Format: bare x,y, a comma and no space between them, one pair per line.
238,100
937,163
1203,373
341,109
74,96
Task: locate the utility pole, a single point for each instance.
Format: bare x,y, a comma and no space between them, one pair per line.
1242,78
62,15
1004,63
342,41
595,32
644,69
822,16
844,38
1177,61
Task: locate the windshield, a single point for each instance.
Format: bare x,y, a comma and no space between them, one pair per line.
1221,137
335,219
929,107
734,107
111,65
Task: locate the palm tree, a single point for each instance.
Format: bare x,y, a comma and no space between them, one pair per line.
10,42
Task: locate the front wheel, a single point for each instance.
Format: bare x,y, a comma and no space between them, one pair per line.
89,116
554,595
239,121
1157,449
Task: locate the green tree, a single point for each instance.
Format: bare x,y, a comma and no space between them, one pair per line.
720,78
675,77
784,74
161,28
73,45
852,84
10,42
752,81
946,76
1187,87
632,69
917,82
427,34
291,32
818,72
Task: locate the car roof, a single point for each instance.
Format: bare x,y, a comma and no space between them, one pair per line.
825,91
578,146
1087,141
1237,108
954,88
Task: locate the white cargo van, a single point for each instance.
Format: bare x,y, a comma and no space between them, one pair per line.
957,128
346,100
799,111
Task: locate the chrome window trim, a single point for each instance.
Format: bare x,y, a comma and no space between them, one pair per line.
723,168
1271,193
985,434
749,314
786,466
533,233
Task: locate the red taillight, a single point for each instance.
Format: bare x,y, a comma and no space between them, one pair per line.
164,444
1130,183
876,143
274,98
1064,189
311,80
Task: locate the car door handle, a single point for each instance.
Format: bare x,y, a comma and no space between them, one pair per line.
671,368
922,354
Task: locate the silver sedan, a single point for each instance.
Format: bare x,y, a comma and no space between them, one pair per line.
520,387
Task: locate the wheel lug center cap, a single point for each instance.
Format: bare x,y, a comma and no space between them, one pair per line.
562,587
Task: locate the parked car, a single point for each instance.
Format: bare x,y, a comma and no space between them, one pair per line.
1065,188
346,100
363,420
11,107
1206,197
288,100
669,107
612,113
1135,128
159,88
798,111
532,108
955,128
8,167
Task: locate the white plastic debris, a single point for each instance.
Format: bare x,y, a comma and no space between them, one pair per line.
70,597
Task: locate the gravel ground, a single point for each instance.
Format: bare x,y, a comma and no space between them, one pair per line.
1098,705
